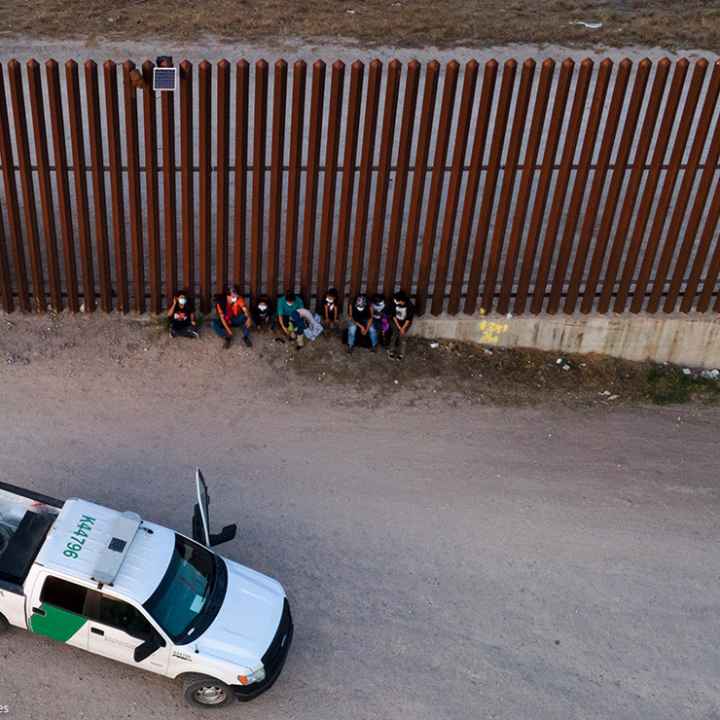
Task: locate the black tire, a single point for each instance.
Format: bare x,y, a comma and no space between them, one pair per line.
4,624
207,693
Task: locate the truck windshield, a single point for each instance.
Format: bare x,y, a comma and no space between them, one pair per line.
190,594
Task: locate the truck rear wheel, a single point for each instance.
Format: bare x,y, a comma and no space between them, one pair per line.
202,691
4,624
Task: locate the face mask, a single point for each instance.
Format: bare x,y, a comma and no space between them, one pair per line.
233,298
262,307
182,301
330,301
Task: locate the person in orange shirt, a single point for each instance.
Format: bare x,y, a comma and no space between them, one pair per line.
232,312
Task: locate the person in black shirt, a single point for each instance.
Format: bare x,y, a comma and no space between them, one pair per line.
361,320
182,316
330,313
403,313
262,313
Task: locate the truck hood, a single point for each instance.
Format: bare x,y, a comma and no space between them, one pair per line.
248,619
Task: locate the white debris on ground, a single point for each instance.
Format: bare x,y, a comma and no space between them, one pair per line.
709,374
588,25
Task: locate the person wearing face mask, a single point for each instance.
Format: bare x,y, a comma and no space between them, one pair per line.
361,321
182,316
330,312
262,313
287,305
232,312
403,312
380,319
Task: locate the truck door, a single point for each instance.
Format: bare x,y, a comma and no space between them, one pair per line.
117,629
57,610
201,517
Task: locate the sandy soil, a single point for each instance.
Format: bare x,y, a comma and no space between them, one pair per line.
447,554
456,374
442,23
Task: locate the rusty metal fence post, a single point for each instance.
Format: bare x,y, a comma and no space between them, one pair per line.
588,190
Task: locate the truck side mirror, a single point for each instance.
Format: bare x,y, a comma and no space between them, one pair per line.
146,649
198,533
225,535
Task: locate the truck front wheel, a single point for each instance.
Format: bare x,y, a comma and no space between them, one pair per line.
4,624
202,691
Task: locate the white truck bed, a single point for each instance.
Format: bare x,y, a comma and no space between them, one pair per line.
25,518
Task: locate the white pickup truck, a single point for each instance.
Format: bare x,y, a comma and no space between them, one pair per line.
127,589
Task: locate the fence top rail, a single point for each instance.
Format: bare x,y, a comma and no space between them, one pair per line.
446,59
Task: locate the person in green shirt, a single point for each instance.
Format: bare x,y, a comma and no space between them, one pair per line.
287,305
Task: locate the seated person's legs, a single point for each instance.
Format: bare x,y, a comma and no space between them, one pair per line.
240,322
373,335
402,344
184,329
286,323
218,328
394,343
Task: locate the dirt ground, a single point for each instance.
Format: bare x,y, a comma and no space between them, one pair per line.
693,24
431,373
460,545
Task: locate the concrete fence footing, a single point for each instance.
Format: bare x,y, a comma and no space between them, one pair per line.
683,339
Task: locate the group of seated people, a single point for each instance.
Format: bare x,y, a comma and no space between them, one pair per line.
370,323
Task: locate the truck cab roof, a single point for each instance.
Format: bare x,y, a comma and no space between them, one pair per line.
96,544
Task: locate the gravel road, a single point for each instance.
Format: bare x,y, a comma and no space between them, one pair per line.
443,562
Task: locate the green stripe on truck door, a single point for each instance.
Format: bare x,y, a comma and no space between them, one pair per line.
57,624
